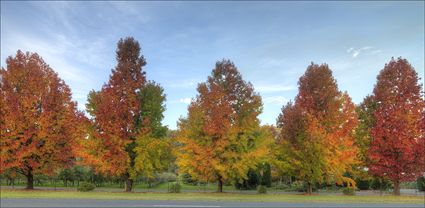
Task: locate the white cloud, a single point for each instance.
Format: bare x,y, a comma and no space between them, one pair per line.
73,61
185,100
355,54
274,88
278,100
369,50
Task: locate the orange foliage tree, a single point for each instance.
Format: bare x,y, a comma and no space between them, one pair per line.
115,112
397,148
39,122
317,135
221,138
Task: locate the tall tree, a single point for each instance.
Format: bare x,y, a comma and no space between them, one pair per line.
39,122
126,133
320,124
397,148
221,139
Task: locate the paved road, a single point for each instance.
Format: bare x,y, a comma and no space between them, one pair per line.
155,203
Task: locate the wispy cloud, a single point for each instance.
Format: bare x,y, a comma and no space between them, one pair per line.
375,52
79,41
74,61
274,88
131,9
277,100
53,54
369,50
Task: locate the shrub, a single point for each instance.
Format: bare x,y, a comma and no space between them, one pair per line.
165,177
381,184
421,183
251,182
261,189
175,188
283,186
266,177
363,184
350,191
85,186
187,179
409,185
298,186
301,186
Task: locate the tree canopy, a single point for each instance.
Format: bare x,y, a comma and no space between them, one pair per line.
397,148
39,121
221,137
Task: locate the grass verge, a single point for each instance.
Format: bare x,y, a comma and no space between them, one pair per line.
6,193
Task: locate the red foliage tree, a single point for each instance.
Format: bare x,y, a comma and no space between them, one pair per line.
397,148
39,122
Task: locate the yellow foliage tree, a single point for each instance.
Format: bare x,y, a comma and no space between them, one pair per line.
221,138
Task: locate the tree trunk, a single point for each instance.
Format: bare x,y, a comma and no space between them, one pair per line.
220,184
30,180
397,188
309,188
128,184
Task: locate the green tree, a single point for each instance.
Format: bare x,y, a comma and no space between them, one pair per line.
152,149
363,137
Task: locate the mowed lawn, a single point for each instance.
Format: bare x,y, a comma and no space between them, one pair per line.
237,197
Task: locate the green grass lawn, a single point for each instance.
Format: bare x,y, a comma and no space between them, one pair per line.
137,187
328,198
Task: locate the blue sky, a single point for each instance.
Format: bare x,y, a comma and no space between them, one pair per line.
271,43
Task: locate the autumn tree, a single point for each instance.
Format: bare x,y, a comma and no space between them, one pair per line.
126,120
317,130
299,153
397,148
220,140
39,121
